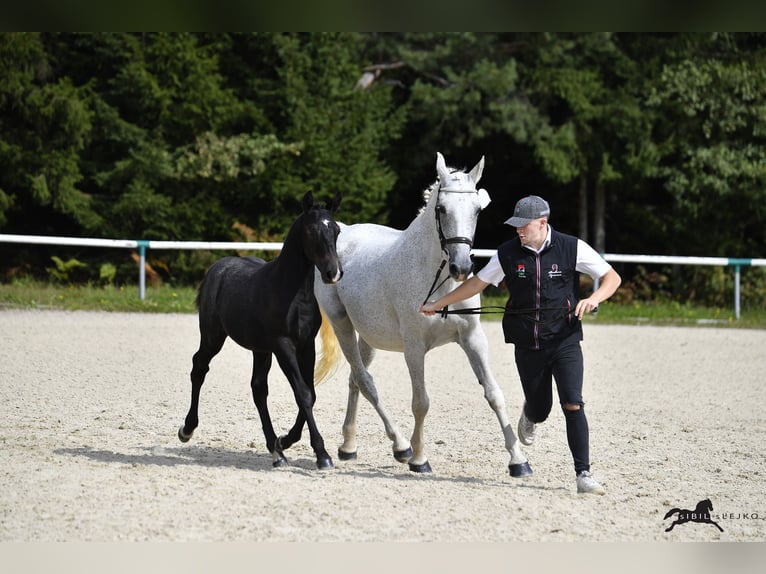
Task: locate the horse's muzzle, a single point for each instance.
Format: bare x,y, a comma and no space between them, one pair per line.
460,272
332,276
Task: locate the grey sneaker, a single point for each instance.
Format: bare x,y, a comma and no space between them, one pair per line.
526,429
586,484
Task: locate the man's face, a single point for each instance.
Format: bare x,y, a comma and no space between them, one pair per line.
533,233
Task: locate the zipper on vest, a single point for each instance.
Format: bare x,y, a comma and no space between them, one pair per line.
538,295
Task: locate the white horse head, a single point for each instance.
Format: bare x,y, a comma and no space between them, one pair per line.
456,204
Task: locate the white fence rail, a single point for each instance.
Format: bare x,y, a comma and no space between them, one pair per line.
142,245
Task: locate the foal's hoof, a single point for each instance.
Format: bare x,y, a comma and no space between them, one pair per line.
279,461
404,455
182,436
425,467
324,463
520,470
343,455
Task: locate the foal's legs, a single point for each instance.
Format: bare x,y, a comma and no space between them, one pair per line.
212,337
474,342
304,393
294,434
260,387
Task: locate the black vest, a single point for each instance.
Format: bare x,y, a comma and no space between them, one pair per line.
543,291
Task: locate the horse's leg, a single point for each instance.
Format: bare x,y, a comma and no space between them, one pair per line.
294,434
364,383
669,528
212,337
293,368
414,355
260,387
347,451
474,342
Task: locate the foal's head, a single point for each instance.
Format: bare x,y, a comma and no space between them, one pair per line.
458,204
319,236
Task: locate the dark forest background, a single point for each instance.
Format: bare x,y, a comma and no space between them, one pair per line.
642,143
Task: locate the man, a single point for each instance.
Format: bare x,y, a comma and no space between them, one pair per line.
540,268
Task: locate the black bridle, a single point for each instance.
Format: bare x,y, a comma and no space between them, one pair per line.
444,241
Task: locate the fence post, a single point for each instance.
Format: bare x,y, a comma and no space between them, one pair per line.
736,292
142,245
737,263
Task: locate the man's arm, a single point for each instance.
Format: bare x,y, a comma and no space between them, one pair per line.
466,289
608,284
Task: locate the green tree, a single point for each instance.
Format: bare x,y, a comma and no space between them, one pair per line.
597,134
710,96
343,132
45,123
177,151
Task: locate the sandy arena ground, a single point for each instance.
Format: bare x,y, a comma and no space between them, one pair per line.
90,404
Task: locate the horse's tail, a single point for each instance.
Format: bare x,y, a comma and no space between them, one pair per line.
329,355
671,512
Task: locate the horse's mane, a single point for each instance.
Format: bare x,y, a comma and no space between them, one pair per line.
429,191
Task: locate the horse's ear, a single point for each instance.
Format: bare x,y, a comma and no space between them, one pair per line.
476,171
308,201
441,168
484,198
336,202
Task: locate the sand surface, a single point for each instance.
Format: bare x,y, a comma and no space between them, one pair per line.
90,404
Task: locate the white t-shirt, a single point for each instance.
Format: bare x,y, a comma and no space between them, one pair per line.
588,262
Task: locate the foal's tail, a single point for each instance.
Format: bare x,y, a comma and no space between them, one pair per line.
329,355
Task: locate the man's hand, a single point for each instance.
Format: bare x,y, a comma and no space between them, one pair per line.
429,308
586,306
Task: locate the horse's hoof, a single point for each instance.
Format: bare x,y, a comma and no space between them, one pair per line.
182,436
403,455
425,467
279,462
324,463
519,470
343,455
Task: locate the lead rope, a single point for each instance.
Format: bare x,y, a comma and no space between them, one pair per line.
496,309
435,287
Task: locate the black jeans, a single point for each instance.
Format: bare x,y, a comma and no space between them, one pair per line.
564,364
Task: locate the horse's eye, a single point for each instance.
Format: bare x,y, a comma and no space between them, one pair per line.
441,209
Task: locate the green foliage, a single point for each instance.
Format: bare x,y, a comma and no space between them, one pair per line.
639,141
225,159
45,124
63,270
343,131
714,156
107,273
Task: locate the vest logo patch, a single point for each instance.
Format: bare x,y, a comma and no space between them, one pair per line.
554,272
521,271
